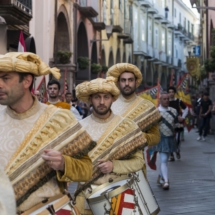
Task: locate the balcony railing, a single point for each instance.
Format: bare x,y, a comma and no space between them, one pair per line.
24,5
143,46
163,57
150,50
156,53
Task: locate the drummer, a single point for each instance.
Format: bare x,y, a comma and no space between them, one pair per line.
110,132
29,131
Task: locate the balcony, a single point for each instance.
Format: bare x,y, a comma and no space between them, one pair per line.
117,20
85,9
156,53
150,51
145,3
169,60
127,30
98,26
16,12
163,56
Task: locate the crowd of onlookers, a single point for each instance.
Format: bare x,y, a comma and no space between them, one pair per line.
83,109
203,110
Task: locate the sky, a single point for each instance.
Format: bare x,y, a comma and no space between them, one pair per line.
187,2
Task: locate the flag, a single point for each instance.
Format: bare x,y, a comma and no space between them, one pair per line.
189,121
151,156
183,90
152,94
21,45
172,78
193,66
43,91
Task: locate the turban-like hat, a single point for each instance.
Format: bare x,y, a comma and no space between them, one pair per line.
119,68
26,62
99,85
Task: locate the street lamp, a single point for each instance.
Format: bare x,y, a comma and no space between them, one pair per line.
109,29
3,35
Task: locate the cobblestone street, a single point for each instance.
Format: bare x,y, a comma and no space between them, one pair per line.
192,179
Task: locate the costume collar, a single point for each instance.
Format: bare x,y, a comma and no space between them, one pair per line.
33,110
127,100
53,103
103,120
163,109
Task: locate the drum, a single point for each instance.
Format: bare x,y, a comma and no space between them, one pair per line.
104,198
54,206
127,195
144,195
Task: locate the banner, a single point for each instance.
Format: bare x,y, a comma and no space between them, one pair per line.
21,45
193,67
152,94
172,78
183,90
189,121
42,89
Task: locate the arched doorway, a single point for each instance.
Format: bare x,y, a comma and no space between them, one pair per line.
94,59
118,60
163,81
111,60
124,58
82,51
148,74
62,42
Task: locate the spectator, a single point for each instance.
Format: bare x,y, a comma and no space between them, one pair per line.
75,104
166,12
204,116
69,98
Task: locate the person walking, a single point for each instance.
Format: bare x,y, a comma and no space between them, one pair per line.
182,111
167,143
204,116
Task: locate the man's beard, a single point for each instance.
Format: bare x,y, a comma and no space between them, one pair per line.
129,92
53,96
101,112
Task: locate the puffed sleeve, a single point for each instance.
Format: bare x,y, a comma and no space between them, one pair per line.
76,169
135,163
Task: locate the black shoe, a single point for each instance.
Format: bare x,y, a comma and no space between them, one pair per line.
178,155
171,158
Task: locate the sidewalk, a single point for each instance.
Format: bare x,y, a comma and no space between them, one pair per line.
192,179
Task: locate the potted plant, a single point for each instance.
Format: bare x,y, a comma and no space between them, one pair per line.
104,68
83,62
96,68
64,56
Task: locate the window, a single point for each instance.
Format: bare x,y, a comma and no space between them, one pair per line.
192,28
120,4
156,38
163,40
175,12
185,23
188,25
180,17
143,29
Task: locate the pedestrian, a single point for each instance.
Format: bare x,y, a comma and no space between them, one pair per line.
167,143
204,116
166,12
69,98
182,111
53,88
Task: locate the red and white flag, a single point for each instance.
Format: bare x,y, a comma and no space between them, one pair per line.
21,46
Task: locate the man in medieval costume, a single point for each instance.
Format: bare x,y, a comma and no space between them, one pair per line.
119,140
143,112
41,146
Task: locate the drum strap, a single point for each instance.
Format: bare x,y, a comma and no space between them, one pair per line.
40,205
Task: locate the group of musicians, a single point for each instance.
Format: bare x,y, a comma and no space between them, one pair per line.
44,148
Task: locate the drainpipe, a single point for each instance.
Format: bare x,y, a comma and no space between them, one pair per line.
173,35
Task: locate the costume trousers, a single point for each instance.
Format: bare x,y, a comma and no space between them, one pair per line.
204,125
164,165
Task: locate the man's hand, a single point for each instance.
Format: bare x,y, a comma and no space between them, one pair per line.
105,166
180,119
54,159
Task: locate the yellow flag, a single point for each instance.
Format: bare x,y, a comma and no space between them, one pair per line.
193,66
